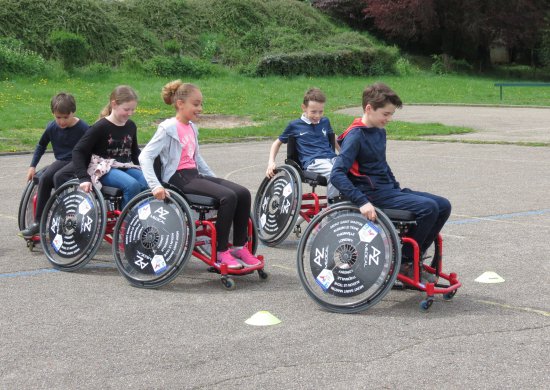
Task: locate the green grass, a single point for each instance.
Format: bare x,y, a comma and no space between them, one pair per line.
270,102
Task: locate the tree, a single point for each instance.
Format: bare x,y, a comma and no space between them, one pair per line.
461,28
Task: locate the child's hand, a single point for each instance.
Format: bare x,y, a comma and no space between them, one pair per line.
86,186
368,211
160,193
271,169
30,173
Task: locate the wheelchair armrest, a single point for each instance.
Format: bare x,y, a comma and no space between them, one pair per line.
201,200
111,191
314,178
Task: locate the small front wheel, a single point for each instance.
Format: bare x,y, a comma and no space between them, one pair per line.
426,304
263,275
228,283
449,295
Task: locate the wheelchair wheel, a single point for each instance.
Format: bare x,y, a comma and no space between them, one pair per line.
347,263
26,211
153,239
72,226
277,205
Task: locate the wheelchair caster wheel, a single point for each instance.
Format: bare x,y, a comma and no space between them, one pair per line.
263,275
449,295
426,303
228,283
30,245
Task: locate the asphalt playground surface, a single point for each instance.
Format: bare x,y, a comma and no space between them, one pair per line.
91,329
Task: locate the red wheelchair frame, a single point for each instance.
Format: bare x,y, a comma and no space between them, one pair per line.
206,236
435,267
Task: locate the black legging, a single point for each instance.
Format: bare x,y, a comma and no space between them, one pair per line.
45,186
234,201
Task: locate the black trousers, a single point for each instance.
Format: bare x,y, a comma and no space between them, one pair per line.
46,184
235,201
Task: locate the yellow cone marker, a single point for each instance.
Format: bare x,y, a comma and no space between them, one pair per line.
263,318
489,277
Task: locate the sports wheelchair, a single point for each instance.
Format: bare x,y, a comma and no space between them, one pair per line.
27,208
151,240
280,207
347,263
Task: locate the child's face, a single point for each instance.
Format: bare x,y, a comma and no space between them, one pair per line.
190,108
64,120
380,117
314,111
123,111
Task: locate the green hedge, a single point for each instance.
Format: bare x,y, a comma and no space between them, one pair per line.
358,62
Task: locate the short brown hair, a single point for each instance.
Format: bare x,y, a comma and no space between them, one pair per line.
314,95
63,103
378,95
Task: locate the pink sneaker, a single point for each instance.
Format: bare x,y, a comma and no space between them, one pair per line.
226,258
247,258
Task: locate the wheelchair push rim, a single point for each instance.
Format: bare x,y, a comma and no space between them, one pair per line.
72,226
277,205
347,263
153,239
26,211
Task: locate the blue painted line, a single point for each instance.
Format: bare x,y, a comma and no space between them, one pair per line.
28,273
499,217
49,270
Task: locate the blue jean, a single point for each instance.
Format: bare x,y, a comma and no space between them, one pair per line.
130,181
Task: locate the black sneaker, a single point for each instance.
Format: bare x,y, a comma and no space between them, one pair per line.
32,230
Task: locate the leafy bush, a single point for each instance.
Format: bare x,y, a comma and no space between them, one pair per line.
15,60
370,61
445,64
178,66
71,48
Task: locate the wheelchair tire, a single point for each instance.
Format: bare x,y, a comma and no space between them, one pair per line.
347,263
277,205
26,212
153,239
72,226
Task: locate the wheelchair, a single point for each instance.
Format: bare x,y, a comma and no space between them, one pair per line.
27,208
74,223
280,207
154,239
151,240
347,263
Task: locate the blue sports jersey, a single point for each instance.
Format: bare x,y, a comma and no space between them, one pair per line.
312,141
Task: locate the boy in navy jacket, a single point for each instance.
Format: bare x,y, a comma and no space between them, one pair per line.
362,174
63,133
312,133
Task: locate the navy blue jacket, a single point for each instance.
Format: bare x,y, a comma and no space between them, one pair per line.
361,167
63,141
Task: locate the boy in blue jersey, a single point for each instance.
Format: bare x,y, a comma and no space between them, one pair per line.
63,133
312,133
362,174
